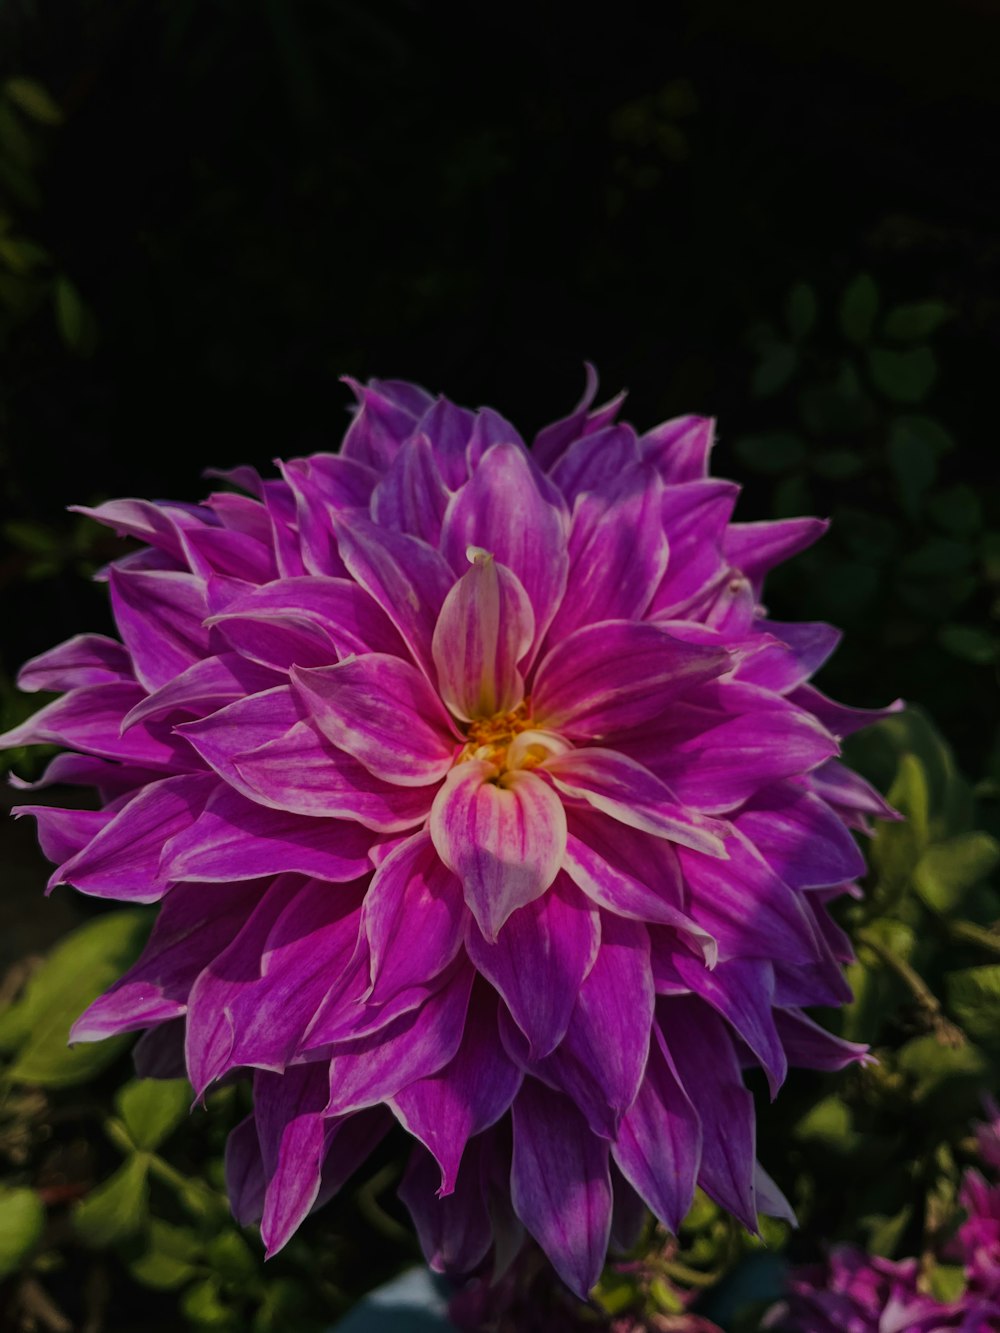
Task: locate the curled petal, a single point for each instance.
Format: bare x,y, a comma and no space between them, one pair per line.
86,659
503,837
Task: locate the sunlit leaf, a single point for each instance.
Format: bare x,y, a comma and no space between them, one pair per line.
974,998
152,1108
948,869
117,1208
22,1220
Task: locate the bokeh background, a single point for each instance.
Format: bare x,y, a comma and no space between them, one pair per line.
783,215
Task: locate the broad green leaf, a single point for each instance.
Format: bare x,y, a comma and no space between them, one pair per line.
829,1123
858,308
916,320
71,316
231,1257
897,847
171,1259
948,869
800,310
903,376
777,452
926,429
34,100
77,970
117,1208
914,464
939,1070
878,994
946,1282
958,510
974,999
885,1233
775,368
152,1108
950,797
22,1221
202,1303
838,464
972,643
937,557
791,497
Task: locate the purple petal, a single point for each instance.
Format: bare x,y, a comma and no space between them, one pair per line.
204,687
770,1200
484,629
381,710
386,415
743,903
623,789
245,1179
615,675
289,1112
235,554
449,428
349,1141
191,929
694,518
502,510
617,553
596,462
601,1060
305,955
658,1146
850,794
468,1095
709,1071
551,441
539,961
160,615
161,525
64,833
718,769
630,874
276,639
123,859
504,839
419,1043
679,448
241,727
800,837
809,1046
561,1184
159,1052
86,659
838,718
412,497
233,838
455,1231
79,770
407,578
413,918
755,548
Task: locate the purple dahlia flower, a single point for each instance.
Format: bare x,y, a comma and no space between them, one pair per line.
479,792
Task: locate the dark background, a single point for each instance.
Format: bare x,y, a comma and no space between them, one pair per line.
248,198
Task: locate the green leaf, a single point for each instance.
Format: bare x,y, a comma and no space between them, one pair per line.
897,848
958,510
916,320
971,643
152,1108
172,1257
71,315
858,308
950,868
231,1257
117,1208
203,1305
34,101
914,464
77,970
838,464
775,452
924,428
946,1282
22,1221
939,1070
904,376
974,999
937,556
800,310
829,1123
774,370
885,1233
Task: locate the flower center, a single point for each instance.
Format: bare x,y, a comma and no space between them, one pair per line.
490,737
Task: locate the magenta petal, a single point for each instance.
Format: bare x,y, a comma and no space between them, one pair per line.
838,718
709,1071
348,1143
382,711
550,442
412,497
192,928
718,769
623,789
601,1060
455,1231
291,1129
245,1179
679,448
468,1095
161,525
811,1047
160,615
561,1184
596,462
504,840
748,909
233,838
413,918
615,675
658,1146
204,687
800,837
371,1069
64,833
407,578
503,511
242,726
123,859
86,659
755,548
484,629
770,1200
539,961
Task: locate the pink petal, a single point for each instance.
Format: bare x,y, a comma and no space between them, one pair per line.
617,674
86,659
504,840
64,833
800,837
596,461
484,629
160,615
245,1179
561,1184
550,442
679,448
289,1112
539,961
623,789
381,710
755,548
455,1231
204,687
412,497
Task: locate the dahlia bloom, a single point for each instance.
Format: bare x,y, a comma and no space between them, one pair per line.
479,792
